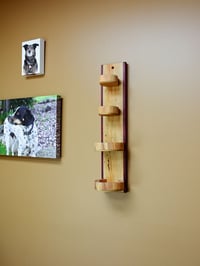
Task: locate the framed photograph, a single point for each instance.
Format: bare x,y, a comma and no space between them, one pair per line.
31,127
33,57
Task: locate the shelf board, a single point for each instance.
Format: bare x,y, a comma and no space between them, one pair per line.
108,110
108,186
109,146
108,80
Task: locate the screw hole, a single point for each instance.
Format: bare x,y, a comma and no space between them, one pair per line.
113,67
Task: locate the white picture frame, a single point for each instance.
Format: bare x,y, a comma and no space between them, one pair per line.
33,57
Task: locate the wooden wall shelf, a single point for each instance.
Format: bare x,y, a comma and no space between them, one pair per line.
113,113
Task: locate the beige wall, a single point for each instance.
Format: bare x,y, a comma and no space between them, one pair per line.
50,215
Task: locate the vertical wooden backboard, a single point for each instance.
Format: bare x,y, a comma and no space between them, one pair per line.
114,136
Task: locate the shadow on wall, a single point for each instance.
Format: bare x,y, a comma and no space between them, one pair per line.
120,201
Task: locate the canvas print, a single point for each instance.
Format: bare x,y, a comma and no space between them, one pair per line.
31,127
33,57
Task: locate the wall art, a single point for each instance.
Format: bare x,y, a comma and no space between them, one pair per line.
31,127
33,57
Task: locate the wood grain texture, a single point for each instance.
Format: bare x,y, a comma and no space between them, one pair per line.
113,145
108,80
108,110
109,146
108,186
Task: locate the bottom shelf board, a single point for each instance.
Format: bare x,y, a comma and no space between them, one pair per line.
109,186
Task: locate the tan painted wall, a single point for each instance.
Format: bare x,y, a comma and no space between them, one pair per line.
50,214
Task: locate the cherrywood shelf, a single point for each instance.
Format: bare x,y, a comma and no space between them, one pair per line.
113,113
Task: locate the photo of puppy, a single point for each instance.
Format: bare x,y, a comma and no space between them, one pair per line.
30,61
21,138
33,57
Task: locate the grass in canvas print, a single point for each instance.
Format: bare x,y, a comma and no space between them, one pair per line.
31,127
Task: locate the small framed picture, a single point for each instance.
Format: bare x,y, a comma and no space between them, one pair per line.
33,57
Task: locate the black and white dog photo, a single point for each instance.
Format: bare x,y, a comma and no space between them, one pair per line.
30,62
20,131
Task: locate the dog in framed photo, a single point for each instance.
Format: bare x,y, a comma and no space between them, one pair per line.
20,132
30,64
